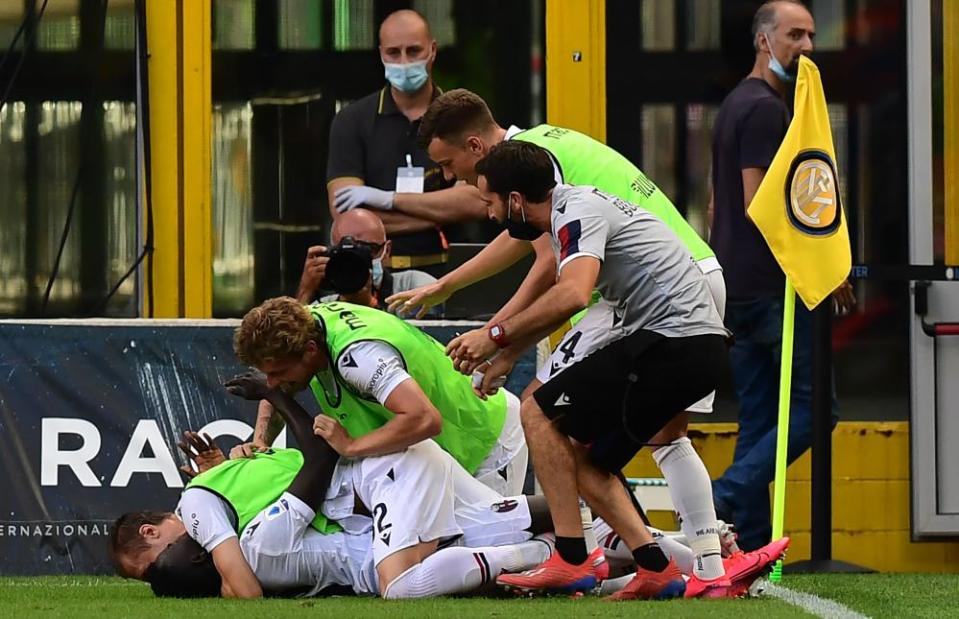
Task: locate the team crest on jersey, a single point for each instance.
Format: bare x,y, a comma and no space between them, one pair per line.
502,507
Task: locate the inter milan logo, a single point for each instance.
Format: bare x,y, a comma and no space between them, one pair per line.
812,194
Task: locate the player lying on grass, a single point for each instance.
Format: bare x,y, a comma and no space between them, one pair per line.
289,555
237,533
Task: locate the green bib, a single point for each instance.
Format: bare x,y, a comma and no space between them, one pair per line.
250,485
471,426
584,161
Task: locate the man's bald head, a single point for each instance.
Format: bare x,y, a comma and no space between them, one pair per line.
405,37
361,224
407,21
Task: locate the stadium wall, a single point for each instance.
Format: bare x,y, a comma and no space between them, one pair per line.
90,413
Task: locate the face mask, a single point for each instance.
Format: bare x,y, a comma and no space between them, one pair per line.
520,230
407,77
776,67
377,272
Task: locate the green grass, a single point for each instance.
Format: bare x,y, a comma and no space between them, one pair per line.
886,595
76,597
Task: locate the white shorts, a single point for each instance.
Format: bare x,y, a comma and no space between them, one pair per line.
504,470
410,496
498,521
286,553
598,328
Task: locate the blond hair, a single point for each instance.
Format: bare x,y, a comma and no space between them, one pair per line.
278,328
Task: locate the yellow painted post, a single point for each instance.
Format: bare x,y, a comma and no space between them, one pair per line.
576,65
178,36
164,137
950,127
576,75
196,155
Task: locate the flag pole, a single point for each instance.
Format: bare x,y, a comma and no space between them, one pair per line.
782,434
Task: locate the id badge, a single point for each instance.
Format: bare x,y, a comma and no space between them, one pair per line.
409,179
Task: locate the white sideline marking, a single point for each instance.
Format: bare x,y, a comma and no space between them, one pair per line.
813,604
71,584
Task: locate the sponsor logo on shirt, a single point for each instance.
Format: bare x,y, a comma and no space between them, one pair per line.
378,373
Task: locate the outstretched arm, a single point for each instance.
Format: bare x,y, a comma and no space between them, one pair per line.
500,254
461,202
319,459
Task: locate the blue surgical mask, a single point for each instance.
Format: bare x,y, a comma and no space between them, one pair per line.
377,270
407,77
776,67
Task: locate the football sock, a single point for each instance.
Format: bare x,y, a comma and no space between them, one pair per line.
458,569
691,492
571,549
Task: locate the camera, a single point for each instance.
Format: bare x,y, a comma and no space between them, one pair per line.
349,267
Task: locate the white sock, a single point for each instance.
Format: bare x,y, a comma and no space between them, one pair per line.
692,494
618,553
458,569
589,536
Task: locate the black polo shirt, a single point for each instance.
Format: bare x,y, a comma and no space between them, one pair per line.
369,139
750,126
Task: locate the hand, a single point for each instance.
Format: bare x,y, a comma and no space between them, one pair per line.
201,451
249,386
470,349
423,297
843,299
492,375
246,450
314,271
355,196
333,433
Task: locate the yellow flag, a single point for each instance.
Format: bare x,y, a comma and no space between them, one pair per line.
797,207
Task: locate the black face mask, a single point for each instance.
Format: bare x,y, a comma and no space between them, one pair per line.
521,230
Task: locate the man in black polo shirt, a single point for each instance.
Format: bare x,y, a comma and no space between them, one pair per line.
750,127
373,150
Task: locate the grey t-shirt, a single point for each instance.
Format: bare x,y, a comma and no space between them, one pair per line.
647,274
401,282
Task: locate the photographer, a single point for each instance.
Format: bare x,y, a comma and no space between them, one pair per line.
359,244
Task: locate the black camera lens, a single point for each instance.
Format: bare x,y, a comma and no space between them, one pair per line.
349,267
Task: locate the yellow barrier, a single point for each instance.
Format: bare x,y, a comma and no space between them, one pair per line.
871,496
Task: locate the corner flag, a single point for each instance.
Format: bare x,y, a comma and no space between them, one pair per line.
797,207
798,211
